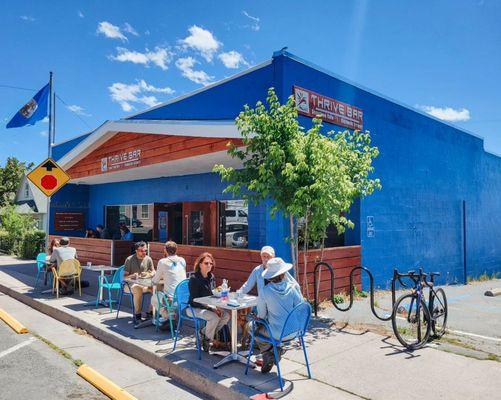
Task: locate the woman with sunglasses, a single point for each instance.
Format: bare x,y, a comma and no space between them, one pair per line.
201,285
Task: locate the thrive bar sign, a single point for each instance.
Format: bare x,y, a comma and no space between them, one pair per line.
312,104
126,159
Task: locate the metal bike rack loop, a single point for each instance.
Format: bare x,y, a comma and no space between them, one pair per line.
352,296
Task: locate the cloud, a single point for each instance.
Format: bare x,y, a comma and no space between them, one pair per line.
232,59
125,94
45,120
447,113
81,14
203,41
27,18
44,133
255,21
129,29
160,57
78,110
110,31
185,65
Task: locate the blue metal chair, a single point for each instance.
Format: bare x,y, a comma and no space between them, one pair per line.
41,265
115,284
182,295
131,298
295,326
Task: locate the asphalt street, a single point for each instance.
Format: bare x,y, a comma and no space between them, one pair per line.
30,369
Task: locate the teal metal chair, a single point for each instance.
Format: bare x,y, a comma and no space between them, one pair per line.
115,284
170,305
41,267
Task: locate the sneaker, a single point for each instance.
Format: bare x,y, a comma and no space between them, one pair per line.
149,315
138,317
268,361
205,342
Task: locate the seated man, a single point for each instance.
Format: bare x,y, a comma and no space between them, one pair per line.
256,279
62,253
276,300
172,269
135,265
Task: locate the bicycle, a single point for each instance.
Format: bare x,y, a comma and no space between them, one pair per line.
412,318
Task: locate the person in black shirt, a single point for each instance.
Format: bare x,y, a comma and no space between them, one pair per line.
201,284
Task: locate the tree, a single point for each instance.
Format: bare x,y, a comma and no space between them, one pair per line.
311,177
10,179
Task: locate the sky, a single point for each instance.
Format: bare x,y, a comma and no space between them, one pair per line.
113,58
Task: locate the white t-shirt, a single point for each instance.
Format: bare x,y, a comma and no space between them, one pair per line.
172,270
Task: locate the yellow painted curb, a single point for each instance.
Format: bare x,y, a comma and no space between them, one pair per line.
12,322
106,386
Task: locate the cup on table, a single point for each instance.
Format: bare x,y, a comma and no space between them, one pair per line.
89,264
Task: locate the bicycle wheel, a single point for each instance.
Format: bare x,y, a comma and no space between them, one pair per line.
411,328
439,313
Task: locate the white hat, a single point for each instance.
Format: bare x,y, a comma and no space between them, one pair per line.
268,250
275,266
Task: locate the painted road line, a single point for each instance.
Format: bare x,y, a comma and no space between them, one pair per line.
474,335
12,322
17,347
106,386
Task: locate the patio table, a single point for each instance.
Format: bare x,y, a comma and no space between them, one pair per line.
245,301
102,269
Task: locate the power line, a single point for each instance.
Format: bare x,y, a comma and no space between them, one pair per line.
78,116
17,87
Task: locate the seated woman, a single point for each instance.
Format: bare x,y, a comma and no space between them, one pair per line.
200,285
256,276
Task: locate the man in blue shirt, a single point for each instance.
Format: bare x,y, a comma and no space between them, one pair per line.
276,300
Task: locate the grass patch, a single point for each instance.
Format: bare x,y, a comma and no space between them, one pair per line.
482,278
339,298
359,293
65,354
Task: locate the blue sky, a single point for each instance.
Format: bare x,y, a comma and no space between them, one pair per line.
113,58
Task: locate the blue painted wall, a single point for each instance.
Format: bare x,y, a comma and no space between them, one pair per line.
70,198
427,168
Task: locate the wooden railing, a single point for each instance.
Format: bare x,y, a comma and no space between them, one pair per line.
232,264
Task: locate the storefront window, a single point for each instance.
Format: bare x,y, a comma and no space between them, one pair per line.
139,223
233,224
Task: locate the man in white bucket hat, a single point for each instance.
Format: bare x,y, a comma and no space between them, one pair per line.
276,300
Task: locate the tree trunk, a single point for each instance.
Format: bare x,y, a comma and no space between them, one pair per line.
293,242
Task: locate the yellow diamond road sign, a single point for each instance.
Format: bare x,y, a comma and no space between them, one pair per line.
49,177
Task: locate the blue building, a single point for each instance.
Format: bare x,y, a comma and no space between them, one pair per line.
440,205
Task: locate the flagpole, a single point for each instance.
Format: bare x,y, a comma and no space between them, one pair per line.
49,155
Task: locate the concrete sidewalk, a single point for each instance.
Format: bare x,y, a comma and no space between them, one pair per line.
346,364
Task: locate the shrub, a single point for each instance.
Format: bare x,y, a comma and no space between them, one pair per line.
31,244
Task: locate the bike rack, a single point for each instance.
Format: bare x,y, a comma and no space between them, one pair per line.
352,296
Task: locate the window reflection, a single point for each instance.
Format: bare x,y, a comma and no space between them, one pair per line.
137,217
233,224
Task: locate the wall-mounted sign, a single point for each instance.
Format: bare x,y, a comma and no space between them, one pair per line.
371,229
330,110
69,221
122,160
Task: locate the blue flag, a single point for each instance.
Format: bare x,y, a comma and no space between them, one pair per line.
33,111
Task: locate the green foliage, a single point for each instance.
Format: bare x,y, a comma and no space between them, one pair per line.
18,234
10,179
358,293
339,298
308,175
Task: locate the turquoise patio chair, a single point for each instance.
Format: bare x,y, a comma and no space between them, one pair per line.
41,267
115,284
295,327
170,305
